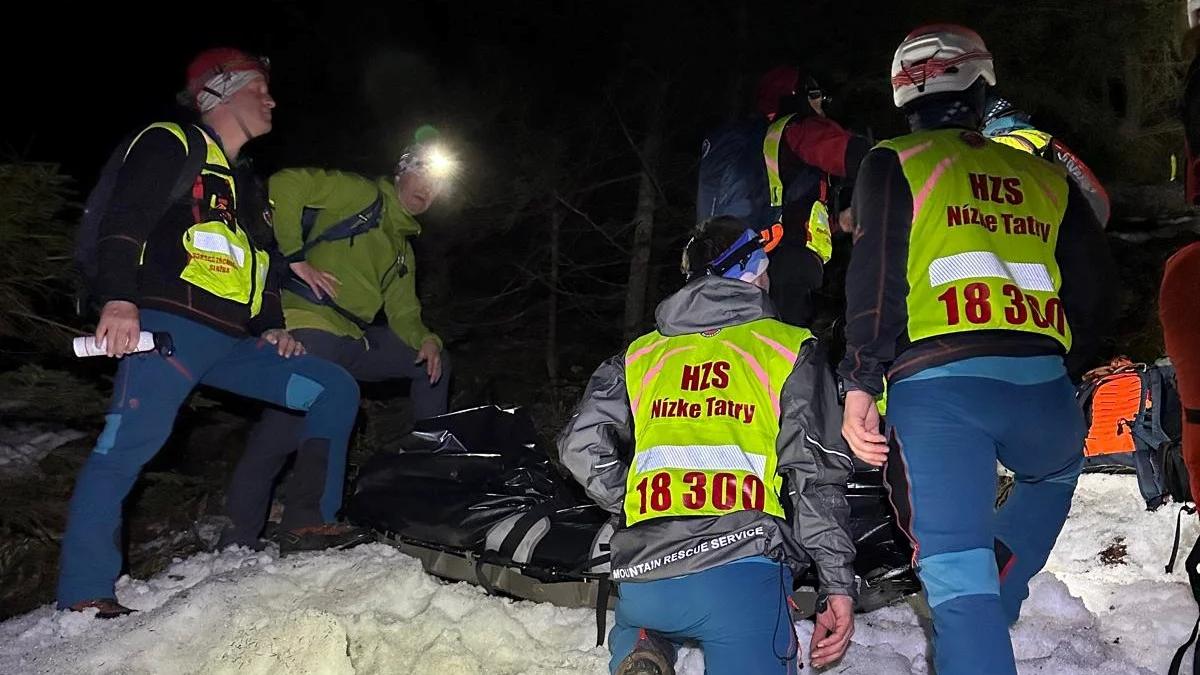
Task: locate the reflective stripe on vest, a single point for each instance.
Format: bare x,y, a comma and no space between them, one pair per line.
985,227
219,262
706,420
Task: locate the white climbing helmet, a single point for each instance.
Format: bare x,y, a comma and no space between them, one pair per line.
939,58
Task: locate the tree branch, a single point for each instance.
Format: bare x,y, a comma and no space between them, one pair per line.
636,150
591,222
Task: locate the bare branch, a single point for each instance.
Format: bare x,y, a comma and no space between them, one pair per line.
589,221
34,317
636,150
605,183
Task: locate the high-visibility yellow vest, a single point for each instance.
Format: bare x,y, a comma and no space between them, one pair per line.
221,258
986,220
818,237
706,419
1028,140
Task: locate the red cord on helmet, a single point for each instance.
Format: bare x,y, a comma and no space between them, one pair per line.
212,62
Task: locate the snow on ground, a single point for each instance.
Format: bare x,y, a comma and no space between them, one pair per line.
24,445
1149,612
372,610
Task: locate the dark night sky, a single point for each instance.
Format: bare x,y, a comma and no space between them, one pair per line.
90,80
354,79
84,77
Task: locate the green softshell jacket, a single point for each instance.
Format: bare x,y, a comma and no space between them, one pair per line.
376,269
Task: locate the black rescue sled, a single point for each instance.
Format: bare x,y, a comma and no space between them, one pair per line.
472,497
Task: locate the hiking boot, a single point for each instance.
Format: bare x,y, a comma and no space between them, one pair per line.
106,608
652,655
322,537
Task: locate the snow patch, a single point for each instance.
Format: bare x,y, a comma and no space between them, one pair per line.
373,610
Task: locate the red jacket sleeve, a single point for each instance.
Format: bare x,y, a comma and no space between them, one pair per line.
821,142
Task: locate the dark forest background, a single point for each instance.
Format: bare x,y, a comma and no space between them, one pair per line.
577,125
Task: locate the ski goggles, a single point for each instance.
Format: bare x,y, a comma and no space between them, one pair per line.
746,259
815,93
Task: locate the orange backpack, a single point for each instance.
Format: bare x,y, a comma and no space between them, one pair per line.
1134,423
1118,398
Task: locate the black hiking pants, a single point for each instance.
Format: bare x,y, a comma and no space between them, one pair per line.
379,355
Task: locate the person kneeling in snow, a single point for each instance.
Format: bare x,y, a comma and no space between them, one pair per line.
714,441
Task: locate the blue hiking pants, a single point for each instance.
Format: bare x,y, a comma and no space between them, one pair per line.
738,612
948,426
147,393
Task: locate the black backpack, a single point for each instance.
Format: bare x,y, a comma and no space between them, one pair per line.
96,206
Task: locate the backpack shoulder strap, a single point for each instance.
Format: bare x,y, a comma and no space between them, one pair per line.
347,228
297,285
197,152
308,220
1148,380
1147,427
1084,394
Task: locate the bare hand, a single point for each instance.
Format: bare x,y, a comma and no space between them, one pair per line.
431,355
845,221
118,329
288,346
860,427
831,634
320,282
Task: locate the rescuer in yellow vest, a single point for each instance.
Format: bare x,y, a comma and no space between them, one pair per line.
714,443
976,269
